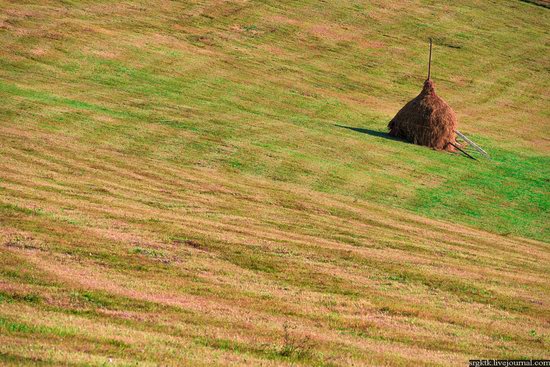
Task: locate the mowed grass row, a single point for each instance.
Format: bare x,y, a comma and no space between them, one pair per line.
175,266
209,183
269,89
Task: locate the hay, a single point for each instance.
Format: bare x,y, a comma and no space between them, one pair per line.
426,120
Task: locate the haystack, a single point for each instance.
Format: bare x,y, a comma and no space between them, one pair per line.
427,119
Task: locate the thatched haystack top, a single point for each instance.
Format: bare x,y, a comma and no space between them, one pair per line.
428,88
426,120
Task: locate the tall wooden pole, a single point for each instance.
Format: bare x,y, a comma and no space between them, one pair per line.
430,61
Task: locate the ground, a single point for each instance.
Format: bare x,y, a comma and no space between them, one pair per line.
211,183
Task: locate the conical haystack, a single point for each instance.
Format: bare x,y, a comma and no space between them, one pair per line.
426,120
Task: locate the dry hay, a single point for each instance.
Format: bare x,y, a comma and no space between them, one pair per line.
426,120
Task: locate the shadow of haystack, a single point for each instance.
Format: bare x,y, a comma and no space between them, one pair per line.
379,134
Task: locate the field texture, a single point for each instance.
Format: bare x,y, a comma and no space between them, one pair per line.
197,183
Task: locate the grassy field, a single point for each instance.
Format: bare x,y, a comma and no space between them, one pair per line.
210,183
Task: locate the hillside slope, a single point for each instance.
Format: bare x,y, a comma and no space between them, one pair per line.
209,182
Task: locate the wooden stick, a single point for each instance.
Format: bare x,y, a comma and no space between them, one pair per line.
430,61
457,147
476,147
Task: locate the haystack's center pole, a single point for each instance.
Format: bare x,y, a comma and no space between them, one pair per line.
430,61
